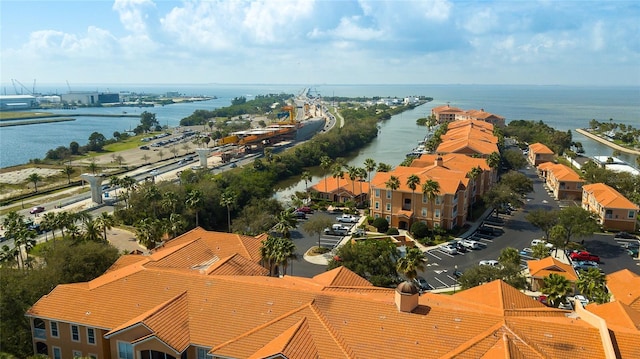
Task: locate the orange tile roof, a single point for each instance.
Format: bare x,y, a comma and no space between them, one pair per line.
564,173
333,315
346,186
608,197
617,314
624,285
454,161
540,148
475,145
481,114
445,108
471,123
450,181
469,132
541,268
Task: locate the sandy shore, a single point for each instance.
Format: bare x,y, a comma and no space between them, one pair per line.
606,142
21,176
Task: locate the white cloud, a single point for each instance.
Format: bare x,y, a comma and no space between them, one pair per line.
597,35
132,15
267,21
348,29
481,22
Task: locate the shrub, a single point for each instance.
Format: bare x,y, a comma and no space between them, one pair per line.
393,231
381,224
419,229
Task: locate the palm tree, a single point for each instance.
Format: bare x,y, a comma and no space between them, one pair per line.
152,195
175,224
128,183
267,253
227,199
325,163
35,178
431,189
473,174
337,172
193,202
413,181
593,284
93,167
285,251
362,174
493,160
105,222
68,171
556,287
383,167
352,171
411,263
369,166
63,219
306,177
148,232
48,223
509,256
392,184
285,222
169,201
91,231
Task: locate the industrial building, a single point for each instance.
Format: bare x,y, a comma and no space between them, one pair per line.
90,97
17,102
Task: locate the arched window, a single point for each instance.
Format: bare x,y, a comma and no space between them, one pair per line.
41,348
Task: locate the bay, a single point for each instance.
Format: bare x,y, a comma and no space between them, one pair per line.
562,107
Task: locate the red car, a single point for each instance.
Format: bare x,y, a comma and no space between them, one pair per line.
584,256
306,210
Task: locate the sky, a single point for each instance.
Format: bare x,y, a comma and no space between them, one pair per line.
320,42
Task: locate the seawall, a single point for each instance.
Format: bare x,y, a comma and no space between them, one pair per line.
607,142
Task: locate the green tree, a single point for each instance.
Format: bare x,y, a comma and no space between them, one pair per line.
35,178
175,224
93,167
392,184
227,199
478,275
373,259
325,164
316,225
96,142
577,222
148,232
509,256
539,251
431,189
104,222
384,167
593,284
369,165
543,219
501,196
515,159
518,182
493,160
337,172
68,171
557,288
74,147
148,121
194,197
411,263
413,181
353,173
306,177
285,222
473,175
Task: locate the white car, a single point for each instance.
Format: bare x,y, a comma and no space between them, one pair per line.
535,242
467,243
449,249
489,262
347,218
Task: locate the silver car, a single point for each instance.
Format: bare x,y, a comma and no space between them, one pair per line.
449,249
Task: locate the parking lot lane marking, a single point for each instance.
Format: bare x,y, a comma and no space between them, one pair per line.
450,277
445,253
433,255
443,283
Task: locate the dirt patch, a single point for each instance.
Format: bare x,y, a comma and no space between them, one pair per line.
21,176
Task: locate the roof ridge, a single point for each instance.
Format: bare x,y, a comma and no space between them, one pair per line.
532,347
117,274
292,332
264,325
473,341
332,331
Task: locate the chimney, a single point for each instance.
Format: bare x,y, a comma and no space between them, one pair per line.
406,297
439,161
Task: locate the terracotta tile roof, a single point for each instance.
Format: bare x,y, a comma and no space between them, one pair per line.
450,181
624,285
540,148
347,186
126,260
469,132
498,342
608,197
481,114
454,161
470,123
544,166
296,342
544,267
445,108
564,173
627,343
499,296
341,277
466,145
237,265
617,314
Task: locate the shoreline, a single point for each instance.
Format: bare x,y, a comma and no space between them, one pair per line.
607,142
36,122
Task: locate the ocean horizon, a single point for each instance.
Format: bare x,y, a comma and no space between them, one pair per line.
564,107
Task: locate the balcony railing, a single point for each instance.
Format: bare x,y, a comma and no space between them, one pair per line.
40,333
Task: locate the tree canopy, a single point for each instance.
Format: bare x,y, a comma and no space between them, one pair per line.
372,259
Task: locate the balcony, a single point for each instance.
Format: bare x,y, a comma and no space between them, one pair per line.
40,333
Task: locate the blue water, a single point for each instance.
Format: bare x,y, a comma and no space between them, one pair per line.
563,107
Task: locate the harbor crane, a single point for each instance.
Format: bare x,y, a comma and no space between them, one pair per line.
14,81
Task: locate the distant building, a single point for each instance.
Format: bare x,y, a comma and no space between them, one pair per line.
564,182
615,164
539,153
90,98
17,102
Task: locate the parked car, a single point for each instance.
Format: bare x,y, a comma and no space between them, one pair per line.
585,265
489,262
305,209
347,218
582,299
625,235
144,147
337,230
422,284
36,209
584,256
535,242
457,273
449,249
458,246
299,215
526,252
470,244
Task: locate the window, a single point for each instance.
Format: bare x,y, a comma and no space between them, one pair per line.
632,214
438,199
377,192
424,212
377,206
77,354
424,198
437,213
93,356
388,218
389,194
202,354
376,216
39,329
54,329
57,353
125,350
91,336
75,333
388,206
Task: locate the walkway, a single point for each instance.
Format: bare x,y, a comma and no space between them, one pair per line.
607,142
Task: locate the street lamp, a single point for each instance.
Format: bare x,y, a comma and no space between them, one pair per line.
455,274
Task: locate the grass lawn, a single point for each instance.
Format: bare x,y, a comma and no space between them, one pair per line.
129,143
16,115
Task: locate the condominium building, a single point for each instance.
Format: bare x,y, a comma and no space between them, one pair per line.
613,210
539,153
561,180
